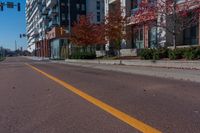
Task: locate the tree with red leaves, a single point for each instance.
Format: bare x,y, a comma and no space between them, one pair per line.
172,16
115,25
85,33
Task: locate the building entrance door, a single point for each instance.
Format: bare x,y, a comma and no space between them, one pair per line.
139,38
152,37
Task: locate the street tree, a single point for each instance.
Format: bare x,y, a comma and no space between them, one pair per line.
85,33
115,26
171,16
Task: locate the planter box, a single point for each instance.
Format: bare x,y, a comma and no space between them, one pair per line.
100,53
128,52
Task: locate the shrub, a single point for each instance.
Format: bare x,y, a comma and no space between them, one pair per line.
192,53
176,54
189,54
163,53
2,58
172,54
156,54
146,54
83,55
198,52
153,54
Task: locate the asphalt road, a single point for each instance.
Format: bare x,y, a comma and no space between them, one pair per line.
32,103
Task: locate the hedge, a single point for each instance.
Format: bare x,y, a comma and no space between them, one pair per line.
83,55
192,53
2,58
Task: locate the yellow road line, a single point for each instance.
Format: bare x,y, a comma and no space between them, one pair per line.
111,110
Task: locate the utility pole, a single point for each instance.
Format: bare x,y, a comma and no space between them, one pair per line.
15,45
69,16
2,53
69,27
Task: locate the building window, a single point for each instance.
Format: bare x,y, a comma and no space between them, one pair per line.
77,17
63,4
98,5
135,3
78,6
63,17
98,16
190,35
83,7
180,1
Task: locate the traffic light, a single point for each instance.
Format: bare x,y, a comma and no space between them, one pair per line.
1,6
18,7
10,4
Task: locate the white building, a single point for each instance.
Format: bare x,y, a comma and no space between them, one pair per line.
45,18
32,22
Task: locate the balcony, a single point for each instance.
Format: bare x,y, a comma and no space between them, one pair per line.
44,2
35,32
53,23
51,3
53,12
46,20
45,10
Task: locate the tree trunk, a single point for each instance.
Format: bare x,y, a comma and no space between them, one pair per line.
119,53
174,40
118,42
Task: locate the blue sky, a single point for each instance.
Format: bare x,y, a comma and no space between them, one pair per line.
12,23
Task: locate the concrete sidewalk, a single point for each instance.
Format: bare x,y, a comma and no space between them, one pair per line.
180,70
181,64
36,58
171,73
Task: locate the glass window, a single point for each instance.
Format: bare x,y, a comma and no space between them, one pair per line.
83,7
98,5
77,6
63,4
141,34
77,17
63,17
98,16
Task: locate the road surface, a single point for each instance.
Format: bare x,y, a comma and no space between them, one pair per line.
45,97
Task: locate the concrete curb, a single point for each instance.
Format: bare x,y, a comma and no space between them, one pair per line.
36,58
147,63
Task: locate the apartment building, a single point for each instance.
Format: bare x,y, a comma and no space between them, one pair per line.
53,22
32,26
145,35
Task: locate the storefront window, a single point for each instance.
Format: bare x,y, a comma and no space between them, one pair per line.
152,37
55,48
138,38
190,36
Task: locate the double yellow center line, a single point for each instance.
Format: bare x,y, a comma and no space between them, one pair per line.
139,125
